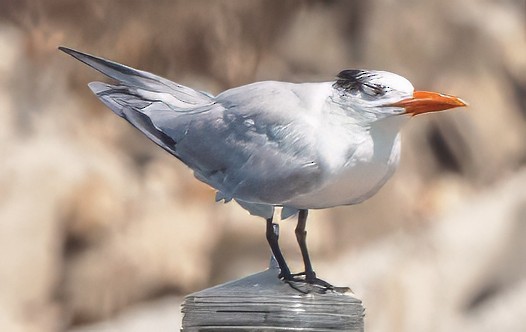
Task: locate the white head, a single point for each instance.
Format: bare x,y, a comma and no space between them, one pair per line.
377,94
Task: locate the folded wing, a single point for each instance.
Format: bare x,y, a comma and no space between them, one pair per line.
238,145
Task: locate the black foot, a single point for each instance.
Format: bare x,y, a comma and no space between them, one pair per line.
311,284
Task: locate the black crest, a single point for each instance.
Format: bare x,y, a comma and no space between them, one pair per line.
358,80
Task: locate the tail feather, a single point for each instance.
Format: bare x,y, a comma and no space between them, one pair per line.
140,79
145,100
129,107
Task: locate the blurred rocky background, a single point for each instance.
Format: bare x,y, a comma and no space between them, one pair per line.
100,230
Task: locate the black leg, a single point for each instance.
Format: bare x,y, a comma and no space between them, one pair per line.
307,281
272,238
301,236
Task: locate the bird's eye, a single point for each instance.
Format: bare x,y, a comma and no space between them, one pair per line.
372,90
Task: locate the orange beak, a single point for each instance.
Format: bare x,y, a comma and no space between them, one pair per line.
424,102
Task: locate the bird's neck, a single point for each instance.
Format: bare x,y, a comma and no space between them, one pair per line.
347,114
389,126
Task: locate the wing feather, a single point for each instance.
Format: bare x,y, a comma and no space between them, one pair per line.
241,142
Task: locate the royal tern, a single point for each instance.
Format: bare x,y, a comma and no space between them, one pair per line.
276,144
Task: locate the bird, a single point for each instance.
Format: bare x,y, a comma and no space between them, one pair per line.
272,144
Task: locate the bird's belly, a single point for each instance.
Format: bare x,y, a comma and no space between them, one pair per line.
351,187
353,183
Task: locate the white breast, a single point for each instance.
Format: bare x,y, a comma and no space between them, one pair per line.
361,174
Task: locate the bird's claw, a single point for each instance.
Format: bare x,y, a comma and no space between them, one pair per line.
308,283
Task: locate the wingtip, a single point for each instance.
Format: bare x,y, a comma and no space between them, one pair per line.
86,58
66,49
74,53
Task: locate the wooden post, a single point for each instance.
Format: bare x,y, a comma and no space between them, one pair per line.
263,302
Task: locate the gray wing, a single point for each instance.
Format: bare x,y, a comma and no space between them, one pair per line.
238,142
244,147
138,79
